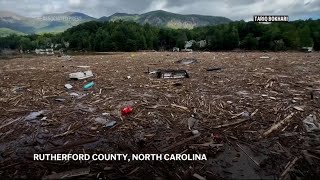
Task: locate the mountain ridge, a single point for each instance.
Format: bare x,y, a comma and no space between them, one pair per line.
58,22
164,18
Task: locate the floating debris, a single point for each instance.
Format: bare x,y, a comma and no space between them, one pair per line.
195,132
126,110
68,86
187,61
18,89
172,74
88,86
192,123
311,124
299,108
81,75
100,120
85,108
60,100
34,115
68,174
83,66
214,69
111,123
74,94
240,119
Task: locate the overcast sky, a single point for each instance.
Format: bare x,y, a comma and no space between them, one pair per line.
233,9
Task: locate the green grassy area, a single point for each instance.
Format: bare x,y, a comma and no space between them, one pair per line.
180,25
53,30
125,18
6,32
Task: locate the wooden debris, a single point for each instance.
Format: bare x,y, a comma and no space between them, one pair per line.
68,174
209,144
10,122
255,112
278,125
255,162
133,171
289,167
179,143
230,124
67,146
107,168
237,115
199,177
299,108
264,96
181,107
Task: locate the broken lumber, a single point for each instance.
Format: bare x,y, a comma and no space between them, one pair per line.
199,176
179,143
181,107
68,174
10,122
255,162
71,145
230,124
278,125
289,167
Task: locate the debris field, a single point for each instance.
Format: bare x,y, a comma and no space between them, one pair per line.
255,115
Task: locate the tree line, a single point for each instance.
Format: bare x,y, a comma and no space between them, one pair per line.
130,36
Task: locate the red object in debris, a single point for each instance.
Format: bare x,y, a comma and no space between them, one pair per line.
217,138
126,110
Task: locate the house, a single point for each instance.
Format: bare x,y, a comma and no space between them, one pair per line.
188,44
49,51
307,49
176,49
202,43
44,51
186,50
39,51
57,45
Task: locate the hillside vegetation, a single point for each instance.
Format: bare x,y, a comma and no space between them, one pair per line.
131,36
6,32
59,22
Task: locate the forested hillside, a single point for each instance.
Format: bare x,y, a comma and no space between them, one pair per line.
130,36
59,22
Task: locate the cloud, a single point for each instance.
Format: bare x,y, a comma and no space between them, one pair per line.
233,9
74,2
157,4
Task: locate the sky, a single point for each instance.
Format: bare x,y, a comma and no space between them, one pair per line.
233,9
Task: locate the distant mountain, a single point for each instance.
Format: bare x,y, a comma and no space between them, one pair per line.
121,16
15,22
167,19
49,23
59,22
8,14
67,17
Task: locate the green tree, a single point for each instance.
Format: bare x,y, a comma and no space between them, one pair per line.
181,40
250,42
305,37
25,43
131,45
291,39
119,38
316,40
231,39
